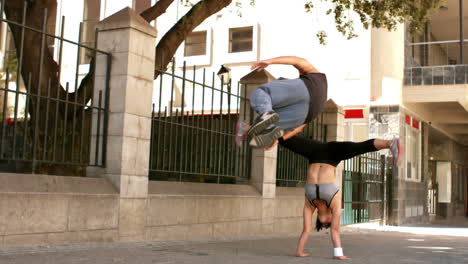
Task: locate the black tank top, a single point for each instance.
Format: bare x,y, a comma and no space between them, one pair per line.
317,85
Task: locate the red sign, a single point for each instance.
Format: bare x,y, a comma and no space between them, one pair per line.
354,113
415,123
408,119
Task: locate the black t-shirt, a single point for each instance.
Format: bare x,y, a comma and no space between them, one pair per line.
316,83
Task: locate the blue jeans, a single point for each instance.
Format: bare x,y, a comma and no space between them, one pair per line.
288,97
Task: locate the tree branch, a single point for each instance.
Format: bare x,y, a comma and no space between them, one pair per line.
168,45
155,11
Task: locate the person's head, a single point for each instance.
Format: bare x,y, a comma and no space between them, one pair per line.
324,217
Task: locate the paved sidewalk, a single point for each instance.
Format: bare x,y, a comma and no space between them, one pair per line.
364,247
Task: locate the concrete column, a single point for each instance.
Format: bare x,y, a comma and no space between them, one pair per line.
334,120
263,174
131,41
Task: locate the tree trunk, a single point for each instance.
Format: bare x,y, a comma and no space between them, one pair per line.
42,79
168,45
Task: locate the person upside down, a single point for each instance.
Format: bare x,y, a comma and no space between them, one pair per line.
322,193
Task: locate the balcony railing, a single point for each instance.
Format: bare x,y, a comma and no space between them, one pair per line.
436,75
436,53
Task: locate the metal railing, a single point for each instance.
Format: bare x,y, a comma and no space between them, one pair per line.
291,168
363,191
435,53
192,137
50,125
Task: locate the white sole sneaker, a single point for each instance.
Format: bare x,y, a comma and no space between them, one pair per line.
266,139
262,122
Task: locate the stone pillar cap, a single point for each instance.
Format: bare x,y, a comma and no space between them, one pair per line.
126,18
331,106
257,77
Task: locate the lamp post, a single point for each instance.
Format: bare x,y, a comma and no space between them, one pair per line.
224,74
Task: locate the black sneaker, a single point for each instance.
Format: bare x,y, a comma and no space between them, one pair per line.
262,122
266,138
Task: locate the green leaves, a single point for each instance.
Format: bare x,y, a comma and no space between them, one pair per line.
308,6
378,14
322,36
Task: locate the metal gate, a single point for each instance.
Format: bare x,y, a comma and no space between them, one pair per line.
364,188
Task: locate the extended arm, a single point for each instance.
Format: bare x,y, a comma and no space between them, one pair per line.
307,228
335,229
302,65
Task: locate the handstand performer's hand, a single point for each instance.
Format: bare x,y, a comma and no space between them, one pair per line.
259,66
341,258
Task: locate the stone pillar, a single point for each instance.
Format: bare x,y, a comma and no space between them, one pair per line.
131,41
333,118
263,173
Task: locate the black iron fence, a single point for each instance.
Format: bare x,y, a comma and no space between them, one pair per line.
53,119
363,189
192,133
291,168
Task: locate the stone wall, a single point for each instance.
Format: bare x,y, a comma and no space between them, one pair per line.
37,210
186,211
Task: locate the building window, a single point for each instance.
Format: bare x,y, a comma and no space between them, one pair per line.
413,154
195,44
240,39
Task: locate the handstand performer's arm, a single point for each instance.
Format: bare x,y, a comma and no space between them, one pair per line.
335,231
302,65
307,214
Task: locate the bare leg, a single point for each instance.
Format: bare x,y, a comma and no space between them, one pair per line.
307,227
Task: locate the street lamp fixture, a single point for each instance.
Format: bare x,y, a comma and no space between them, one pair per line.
224,74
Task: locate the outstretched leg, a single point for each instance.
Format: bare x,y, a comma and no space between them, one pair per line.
346,150
338,151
